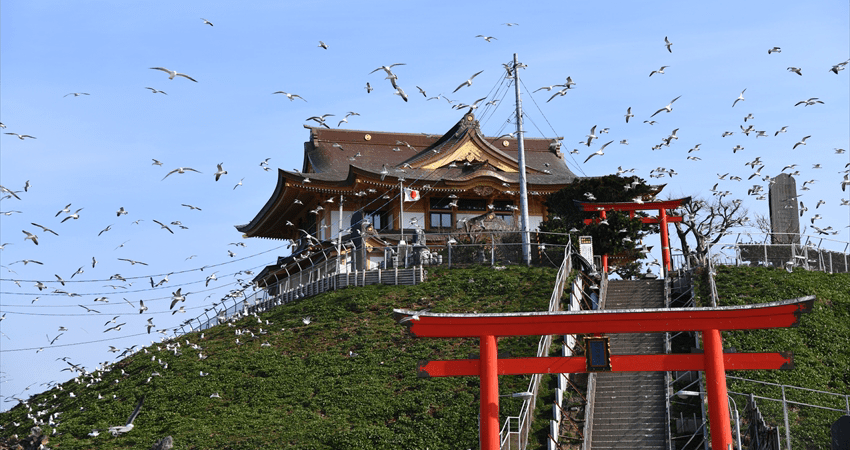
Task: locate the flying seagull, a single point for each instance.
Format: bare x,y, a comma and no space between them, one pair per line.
129,425
207,22
802,142
156,91
291,97
220,172
387,69
467,82
179,170
598,152
22,136
76,94
668,108
740,97
174,73
659,71
668,44
162,225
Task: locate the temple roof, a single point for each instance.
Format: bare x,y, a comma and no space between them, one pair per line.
367,163
330,154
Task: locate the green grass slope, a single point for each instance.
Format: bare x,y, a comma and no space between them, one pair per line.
821,346
291,385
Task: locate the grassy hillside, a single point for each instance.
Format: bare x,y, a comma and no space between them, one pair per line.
821,345
347,380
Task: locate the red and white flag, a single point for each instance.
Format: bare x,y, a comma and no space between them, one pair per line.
411,195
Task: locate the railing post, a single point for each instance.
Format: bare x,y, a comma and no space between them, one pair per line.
785,418
493,250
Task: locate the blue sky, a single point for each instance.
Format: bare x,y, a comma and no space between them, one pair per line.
95,152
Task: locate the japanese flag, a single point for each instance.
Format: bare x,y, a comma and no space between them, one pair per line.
411,195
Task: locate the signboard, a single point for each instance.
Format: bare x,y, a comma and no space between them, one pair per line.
585,246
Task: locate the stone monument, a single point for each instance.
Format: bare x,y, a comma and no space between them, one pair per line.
784,213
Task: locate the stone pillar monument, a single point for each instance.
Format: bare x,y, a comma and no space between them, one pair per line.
784,213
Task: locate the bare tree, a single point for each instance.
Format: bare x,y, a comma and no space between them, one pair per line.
707,222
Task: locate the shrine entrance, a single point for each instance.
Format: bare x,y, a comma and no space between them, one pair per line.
663,219
710,321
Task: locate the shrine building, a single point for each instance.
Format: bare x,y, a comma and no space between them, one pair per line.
382,187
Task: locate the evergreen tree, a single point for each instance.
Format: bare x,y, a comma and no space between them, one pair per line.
618,235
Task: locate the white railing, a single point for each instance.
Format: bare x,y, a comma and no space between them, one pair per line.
515,431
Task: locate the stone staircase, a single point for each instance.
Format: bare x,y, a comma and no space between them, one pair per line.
630,410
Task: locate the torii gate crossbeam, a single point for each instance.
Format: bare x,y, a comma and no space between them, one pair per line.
710,321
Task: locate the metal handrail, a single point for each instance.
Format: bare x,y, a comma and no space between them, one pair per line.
524,418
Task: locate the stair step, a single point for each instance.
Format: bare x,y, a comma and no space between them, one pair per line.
630,407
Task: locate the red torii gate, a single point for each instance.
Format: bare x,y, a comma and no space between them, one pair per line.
631,207
710,321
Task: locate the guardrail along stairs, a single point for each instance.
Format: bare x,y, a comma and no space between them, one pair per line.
630,407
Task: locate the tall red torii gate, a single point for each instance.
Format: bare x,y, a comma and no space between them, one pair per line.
663,219
710,321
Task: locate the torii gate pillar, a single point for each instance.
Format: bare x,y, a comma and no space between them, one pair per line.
489,409
715,380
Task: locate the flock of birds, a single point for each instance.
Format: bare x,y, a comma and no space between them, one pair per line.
240,285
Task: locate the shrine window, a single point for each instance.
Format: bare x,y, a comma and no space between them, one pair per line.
381,220
441,220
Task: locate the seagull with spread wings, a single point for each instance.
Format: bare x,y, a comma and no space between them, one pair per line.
116,430
179,170
162,225
740,98
22,136
291,97
668,108
598,152
174,73
48,230
467,82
